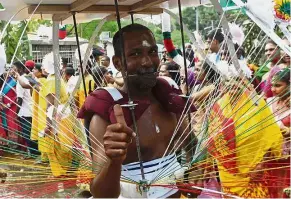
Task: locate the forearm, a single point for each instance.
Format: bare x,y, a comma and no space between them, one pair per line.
184,88
200,95
107,183
23,83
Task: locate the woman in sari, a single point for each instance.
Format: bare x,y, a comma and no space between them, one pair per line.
3,132
280,106
9,116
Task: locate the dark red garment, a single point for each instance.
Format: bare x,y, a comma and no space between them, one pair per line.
101,103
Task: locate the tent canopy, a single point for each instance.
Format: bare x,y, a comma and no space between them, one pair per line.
86,10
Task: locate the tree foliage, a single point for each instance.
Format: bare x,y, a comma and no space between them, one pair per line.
12,36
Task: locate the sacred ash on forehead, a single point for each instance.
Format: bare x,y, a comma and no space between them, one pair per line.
145,43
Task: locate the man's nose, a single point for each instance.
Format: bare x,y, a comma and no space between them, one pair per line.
146,61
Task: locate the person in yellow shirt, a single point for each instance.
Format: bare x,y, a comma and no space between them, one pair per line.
61,136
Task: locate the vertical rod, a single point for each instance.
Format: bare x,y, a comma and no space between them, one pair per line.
57,70
183,45
128,91
185,69
79,53
131,17
83,76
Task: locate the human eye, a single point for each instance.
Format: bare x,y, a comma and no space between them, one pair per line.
154,51
135,53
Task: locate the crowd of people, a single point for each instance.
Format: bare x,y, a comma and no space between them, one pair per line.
29,93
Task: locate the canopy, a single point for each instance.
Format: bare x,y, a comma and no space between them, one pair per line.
86,10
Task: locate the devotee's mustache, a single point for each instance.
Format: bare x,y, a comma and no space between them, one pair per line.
143,71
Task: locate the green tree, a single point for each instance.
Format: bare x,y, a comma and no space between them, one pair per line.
207,17
12,36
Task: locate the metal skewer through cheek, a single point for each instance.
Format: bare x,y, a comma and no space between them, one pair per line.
143,183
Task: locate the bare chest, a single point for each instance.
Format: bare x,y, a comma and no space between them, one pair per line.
155,129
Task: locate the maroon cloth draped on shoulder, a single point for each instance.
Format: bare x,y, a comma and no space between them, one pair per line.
101,103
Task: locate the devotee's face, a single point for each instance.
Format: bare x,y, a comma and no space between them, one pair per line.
270,50
279,88
105,62
164,71
142,59
286,58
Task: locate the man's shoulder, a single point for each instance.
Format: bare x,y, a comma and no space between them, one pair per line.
100,102
106,93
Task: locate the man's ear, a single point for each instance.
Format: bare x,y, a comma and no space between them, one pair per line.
117,63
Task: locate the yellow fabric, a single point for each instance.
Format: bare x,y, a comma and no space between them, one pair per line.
45,144
50,88
34,124
39,109
80,95
256,133
58,147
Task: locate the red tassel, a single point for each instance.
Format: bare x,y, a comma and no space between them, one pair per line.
62,34
168,43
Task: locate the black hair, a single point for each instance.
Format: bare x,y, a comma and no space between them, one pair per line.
98,72
97,52
190,56
69,71
283,76
126,29
38,67
217,35
174,71
65,60
106,58
19,65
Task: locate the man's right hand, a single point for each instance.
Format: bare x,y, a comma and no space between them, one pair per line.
117,137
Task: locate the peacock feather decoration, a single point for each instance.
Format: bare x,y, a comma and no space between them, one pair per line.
282,9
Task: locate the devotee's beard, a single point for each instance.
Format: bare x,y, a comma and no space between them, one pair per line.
143,82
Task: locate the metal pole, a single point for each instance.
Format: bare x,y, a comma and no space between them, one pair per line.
79,53
56,55
82,74
186,73
130,102
131,17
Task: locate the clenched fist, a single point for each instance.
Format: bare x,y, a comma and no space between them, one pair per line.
117,137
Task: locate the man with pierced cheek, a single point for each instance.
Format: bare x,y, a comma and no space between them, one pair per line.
158,109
